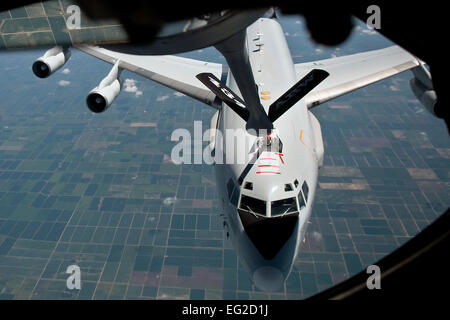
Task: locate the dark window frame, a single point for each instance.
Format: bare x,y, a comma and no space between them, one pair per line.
243,197
305,193
302,202
294,202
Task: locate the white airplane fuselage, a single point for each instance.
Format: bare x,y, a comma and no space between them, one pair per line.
267,258
266,179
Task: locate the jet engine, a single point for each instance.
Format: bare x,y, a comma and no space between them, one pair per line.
422,87
101,97
52,60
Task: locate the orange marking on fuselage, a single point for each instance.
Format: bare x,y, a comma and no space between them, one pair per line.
301,135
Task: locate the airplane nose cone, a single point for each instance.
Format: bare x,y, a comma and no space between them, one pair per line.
268,278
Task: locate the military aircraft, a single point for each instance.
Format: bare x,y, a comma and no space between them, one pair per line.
268,198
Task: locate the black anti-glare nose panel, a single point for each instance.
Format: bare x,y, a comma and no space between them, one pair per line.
268,234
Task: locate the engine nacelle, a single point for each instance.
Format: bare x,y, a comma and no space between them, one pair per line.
102,96
52,60
422,87
425,95
99,99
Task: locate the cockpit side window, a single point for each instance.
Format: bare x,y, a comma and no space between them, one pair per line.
301,201
253,205
305,189
284,206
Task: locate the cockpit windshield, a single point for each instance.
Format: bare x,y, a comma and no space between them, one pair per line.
283,206
253,205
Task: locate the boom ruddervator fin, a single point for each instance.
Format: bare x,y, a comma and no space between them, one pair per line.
276,109
296,93
225,94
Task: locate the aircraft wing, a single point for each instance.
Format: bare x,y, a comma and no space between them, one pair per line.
348,73
171,71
